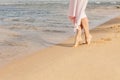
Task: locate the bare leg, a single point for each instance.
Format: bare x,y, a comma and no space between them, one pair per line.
78,38
85,26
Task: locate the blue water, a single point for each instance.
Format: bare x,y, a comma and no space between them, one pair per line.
34,15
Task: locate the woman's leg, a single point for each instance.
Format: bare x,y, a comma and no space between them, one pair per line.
78,38
85,26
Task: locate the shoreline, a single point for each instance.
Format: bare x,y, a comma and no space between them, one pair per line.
19,37
99,61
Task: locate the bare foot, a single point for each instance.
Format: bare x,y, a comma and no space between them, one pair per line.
77,43
89,40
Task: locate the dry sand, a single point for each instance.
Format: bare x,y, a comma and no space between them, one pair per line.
99,61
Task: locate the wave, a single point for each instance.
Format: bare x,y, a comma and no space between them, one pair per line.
59,2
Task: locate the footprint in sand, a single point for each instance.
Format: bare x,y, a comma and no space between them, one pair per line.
116,28
118,31
102,40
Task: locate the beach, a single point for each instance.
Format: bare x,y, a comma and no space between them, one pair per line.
98,61
27,28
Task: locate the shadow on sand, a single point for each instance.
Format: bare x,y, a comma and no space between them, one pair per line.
65,44
69,44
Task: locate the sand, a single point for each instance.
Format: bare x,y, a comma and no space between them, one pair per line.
22,35
98,61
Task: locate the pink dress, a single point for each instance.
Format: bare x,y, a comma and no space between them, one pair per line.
77,11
